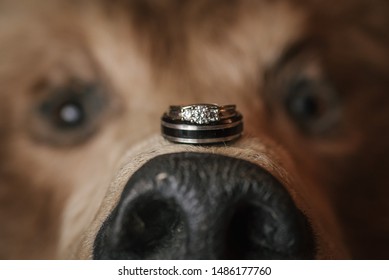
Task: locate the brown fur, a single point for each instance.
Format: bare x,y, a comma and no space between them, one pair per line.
55,187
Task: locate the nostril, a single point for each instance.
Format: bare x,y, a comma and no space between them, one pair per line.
256,231
149,225
240,233
144,228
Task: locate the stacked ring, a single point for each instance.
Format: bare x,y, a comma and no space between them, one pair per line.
202,124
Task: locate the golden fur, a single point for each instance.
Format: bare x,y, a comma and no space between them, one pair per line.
56,188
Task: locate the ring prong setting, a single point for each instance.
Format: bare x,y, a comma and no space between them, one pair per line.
200,114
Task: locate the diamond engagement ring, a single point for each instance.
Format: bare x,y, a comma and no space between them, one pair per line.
201,113
202,124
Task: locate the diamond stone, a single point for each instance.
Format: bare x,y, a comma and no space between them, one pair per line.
200,114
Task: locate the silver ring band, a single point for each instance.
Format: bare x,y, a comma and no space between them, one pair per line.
202,141
202,124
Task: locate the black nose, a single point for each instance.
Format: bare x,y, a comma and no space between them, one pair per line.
204,206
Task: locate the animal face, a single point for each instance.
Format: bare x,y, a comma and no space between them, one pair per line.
83,87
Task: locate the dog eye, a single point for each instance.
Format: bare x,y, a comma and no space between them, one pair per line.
72,112
312,104
72,106
309,103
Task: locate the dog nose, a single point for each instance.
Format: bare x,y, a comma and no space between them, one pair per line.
204,206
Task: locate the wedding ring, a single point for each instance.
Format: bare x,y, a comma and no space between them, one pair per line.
202,124
201,113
